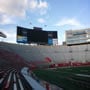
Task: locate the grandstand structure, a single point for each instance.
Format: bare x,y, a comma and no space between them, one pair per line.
13,57
78,37
51,55
13,74
20,63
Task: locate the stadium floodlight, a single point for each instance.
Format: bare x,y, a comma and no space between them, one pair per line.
2,35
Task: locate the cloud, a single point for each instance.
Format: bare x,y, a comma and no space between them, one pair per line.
11,35
10,10
19,7
38,5
41,20
70,22
13,7
33,4
5,19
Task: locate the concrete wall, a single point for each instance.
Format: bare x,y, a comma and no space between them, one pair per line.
79,53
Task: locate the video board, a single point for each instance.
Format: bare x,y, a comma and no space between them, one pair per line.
52,34
25,35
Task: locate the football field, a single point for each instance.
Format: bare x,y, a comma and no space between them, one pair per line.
72,78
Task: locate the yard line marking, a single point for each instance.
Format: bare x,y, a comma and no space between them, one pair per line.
83,75
8,81
14,77
15,86
1,80
21,86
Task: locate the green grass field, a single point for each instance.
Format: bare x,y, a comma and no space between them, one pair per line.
66,78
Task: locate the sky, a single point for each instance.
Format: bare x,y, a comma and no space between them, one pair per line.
51,15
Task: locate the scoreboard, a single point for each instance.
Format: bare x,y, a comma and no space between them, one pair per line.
25,35
39,37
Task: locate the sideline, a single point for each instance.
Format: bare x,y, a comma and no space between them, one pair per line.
83,75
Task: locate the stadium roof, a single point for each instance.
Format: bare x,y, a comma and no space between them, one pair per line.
2,35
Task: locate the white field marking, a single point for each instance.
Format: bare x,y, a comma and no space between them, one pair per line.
9,77
1,80
83,75
15,86
8,81
21,86
14,77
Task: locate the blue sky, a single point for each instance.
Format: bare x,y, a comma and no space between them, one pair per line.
58,15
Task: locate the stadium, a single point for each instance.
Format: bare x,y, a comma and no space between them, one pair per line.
45,66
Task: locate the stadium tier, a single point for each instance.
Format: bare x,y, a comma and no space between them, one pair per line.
51,55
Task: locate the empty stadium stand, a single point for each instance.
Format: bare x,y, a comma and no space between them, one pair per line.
13,57
59,55
11,77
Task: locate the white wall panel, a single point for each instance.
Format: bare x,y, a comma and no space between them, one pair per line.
74,48
88,56
82,47
88,45
56,53
68,56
